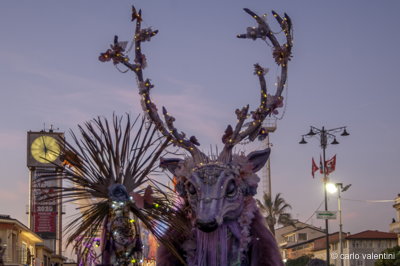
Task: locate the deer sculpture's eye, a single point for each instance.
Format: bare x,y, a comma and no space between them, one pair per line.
231,189
191,189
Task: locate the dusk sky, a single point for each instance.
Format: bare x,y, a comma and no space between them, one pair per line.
344,72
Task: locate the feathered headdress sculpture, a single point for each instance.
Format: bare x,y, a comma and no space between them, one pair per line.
107,168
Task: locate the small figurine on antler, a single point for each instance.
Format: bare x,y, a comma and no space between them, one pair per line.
217,191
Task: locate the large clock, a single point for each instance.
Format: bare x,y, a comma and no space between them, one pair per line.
44,148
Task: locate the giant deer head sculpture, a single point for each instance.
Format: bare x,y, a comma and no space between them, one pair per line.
219,190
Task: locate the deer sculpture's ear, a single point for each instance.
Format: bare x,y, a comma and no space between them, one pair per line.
171,164
258,158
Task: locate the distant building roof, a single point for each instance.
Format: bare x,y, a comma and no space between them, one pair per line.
296,222
300,243
370,234
320,243
6,220
306,226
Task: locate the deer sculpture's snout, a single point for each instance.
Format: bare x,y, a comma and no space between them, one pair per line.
207,226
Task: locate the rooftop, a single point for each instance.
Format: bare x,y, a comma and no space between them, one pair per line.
25,231
320,243
370,234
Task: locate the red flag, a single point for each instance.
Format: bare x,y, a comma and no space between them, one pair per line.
321,168
314,167
330,165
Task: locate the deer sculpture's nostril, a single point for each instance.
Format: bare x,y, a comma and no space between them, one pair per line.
207,225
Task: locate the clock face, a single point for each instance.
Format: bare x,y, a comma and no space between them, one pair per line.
45,149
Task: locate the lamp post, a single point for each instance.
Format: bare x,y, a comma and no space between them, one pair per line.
324,135
339,188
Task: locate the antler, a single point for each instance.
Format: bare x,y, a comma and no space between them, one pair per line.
167,128
281,54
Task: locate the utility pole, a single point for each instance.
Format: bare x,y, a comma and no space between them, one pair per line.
339,188
270,126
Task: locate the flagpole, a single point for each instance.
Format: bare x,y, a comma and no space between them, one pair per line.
324,135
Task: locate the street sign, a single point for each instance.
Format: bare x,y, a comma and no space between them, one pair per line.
331,215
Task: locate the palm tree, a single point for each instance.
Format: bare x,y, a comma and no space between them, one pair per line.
275,211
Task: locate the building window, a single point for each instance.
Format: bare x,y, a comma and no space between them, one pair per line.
290,238
302,236
23,253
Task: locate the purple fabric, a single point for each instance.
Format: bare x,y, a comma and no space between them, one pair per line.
165,257
212,247
263,247
105,243
263,250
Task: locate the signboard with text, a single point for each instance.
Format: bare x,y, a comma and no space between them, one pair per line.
44,211
331,215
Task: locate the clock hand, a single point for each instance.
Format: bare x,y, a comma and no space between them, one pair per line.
45,148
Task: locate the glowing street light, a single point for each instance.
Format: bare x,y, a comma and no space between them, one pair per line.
331,188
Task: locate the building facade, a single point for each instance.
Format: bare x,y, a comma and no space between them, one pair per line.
395,225
21,246
295,241
361,249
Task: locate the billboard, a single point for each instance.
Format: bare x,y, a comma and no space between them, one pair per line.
44,211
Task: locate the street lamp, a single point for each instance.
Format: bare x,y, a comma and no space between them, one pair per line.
339,188
324,135
331,187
